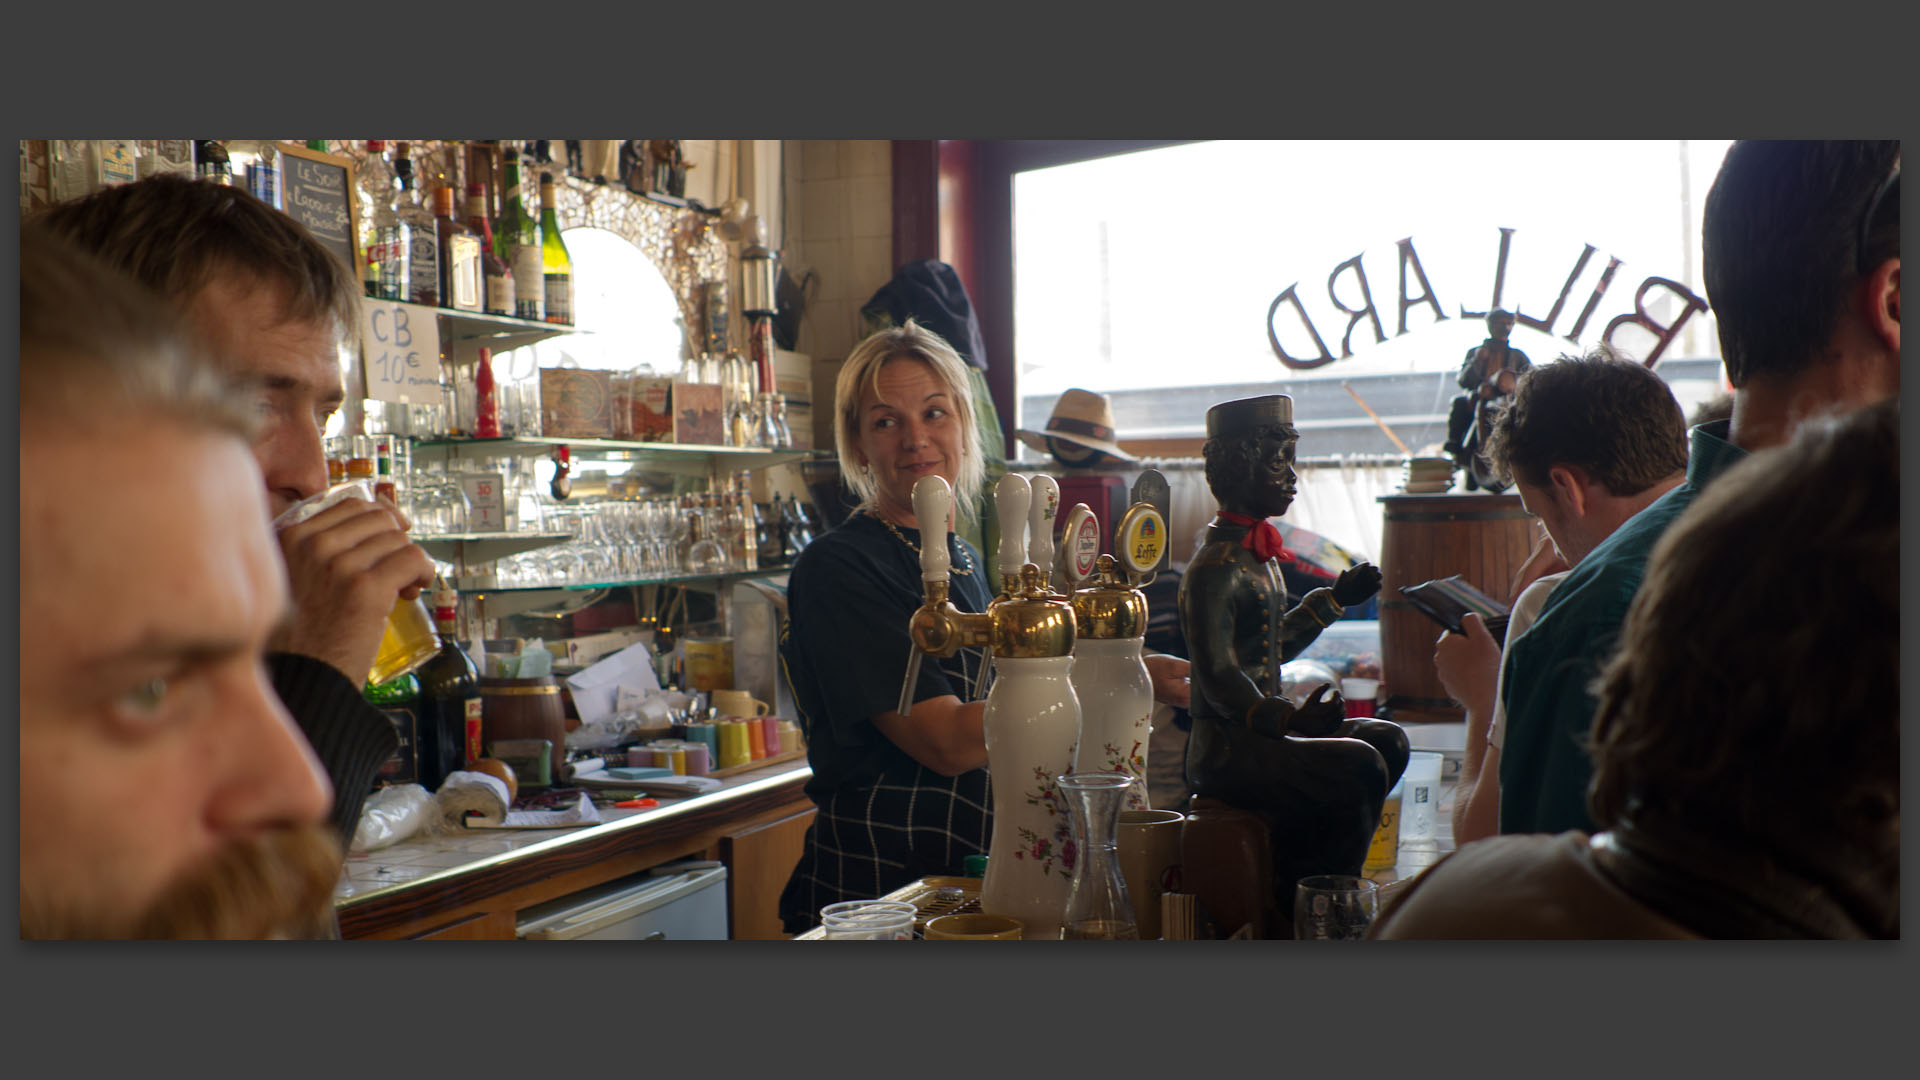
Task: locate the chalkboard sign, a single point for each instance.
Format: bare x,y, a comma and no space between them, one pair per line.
317,191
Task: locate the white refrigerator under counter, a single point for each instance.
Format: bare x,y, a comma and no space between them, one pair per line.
684,901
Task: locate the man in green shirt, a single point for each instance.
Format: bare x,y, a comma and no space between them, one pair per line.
1802,265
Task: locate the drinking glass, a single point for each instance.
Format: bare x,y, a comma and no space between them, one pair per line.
868,920
408,640
1334,907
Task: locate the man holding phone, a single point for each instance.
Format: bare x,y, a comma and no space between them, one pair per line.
1590,441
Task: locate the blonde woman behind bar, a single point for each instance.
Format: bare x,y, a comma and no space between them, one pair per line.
898,797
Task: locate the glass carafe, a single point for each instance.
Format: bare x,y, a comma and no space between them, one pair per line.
1098,907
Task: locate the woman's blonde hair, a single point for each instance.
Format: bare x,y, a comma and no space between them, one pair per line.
909,341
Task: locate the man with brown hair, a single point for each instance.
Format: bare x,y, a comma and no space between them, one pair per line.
1746,743
276,307
1589,441
1802,263
148,590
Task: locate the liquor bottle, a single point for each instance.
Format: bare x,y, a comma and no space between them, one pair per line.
460,282
319,145
449,700
385,480
263,175
423,243
486,405
400,700
496,275
389,248
556,265
210,157
746,548
517,242
766,534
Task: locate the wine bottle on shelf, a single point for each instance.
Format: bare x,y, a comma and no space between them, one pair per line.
423,265
486,405
496,275
449,699
517,242
460,278
556,265
390,248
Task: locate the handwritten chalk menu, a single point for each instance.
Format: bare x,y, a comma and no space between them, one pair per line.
317,191
401,343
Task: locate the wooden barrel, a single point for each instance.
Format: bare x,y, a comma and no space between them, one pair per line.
1483,538
524,709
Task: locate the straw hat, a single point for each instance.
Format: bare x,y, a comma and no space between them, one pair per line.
1080,417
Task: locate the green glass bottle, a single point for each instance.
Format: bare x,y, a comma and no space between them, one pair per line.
517,242
400,700
556,265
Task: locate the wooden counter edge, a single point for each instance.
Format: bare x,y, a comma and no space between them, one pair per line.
484,902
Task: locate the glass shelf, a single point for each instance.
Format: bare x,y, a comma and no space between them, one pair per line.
486,547
495,602
677,457
502,332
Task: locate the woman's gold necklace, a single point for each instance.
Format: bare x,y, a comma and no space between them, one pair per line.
961,571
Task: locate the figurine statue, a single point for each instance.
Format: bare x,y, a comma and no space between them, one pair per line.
1309,778
1488,375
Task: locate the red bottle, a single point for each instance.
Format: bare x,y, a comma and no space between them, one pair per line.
486,405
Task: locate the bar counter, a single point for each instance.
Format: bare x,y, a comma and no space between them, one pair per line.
472,885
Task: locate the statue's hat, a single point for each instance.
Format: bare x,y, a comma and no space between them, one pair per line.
1245,414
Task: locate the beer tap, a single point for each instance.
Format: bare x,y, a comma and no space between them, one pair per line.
1040,516
1032,724
938,628
1032,718
1110,615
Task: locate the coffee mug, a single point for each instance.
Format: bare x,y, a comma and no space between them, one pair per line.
1149,851
739,703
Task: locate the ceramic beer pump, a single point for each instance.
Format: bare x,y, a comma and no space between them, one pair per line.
1032,717
1280,792
1110,628
1043,509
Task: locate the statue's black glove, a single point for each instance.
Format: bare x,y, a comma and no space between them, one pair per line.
1356,585
1320,715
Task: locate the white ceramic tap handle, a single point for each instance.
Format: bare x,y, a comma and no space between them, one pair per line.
1010,498
1040,515
932,503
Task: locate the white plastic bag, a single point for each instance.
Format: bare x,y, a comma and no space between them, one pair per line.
391,815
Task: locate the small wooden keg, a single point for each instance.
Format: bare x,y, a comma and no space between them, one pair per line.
1483,538
524,709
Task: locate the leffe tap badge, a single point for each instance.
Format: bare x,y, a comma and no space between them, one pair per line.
1140,540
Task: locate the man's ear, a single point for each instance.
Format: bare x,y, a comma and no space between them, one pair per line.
1569,486
1883,304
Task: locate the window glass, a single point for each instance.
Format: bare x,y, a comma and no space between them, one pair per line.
1150,276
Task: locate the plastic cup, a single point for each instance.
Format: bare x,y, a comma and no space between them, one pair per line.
1384,852
868,920
1359,695
1420,802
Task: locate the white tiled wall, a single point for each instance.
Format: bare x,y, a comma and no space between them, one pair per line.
839,225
